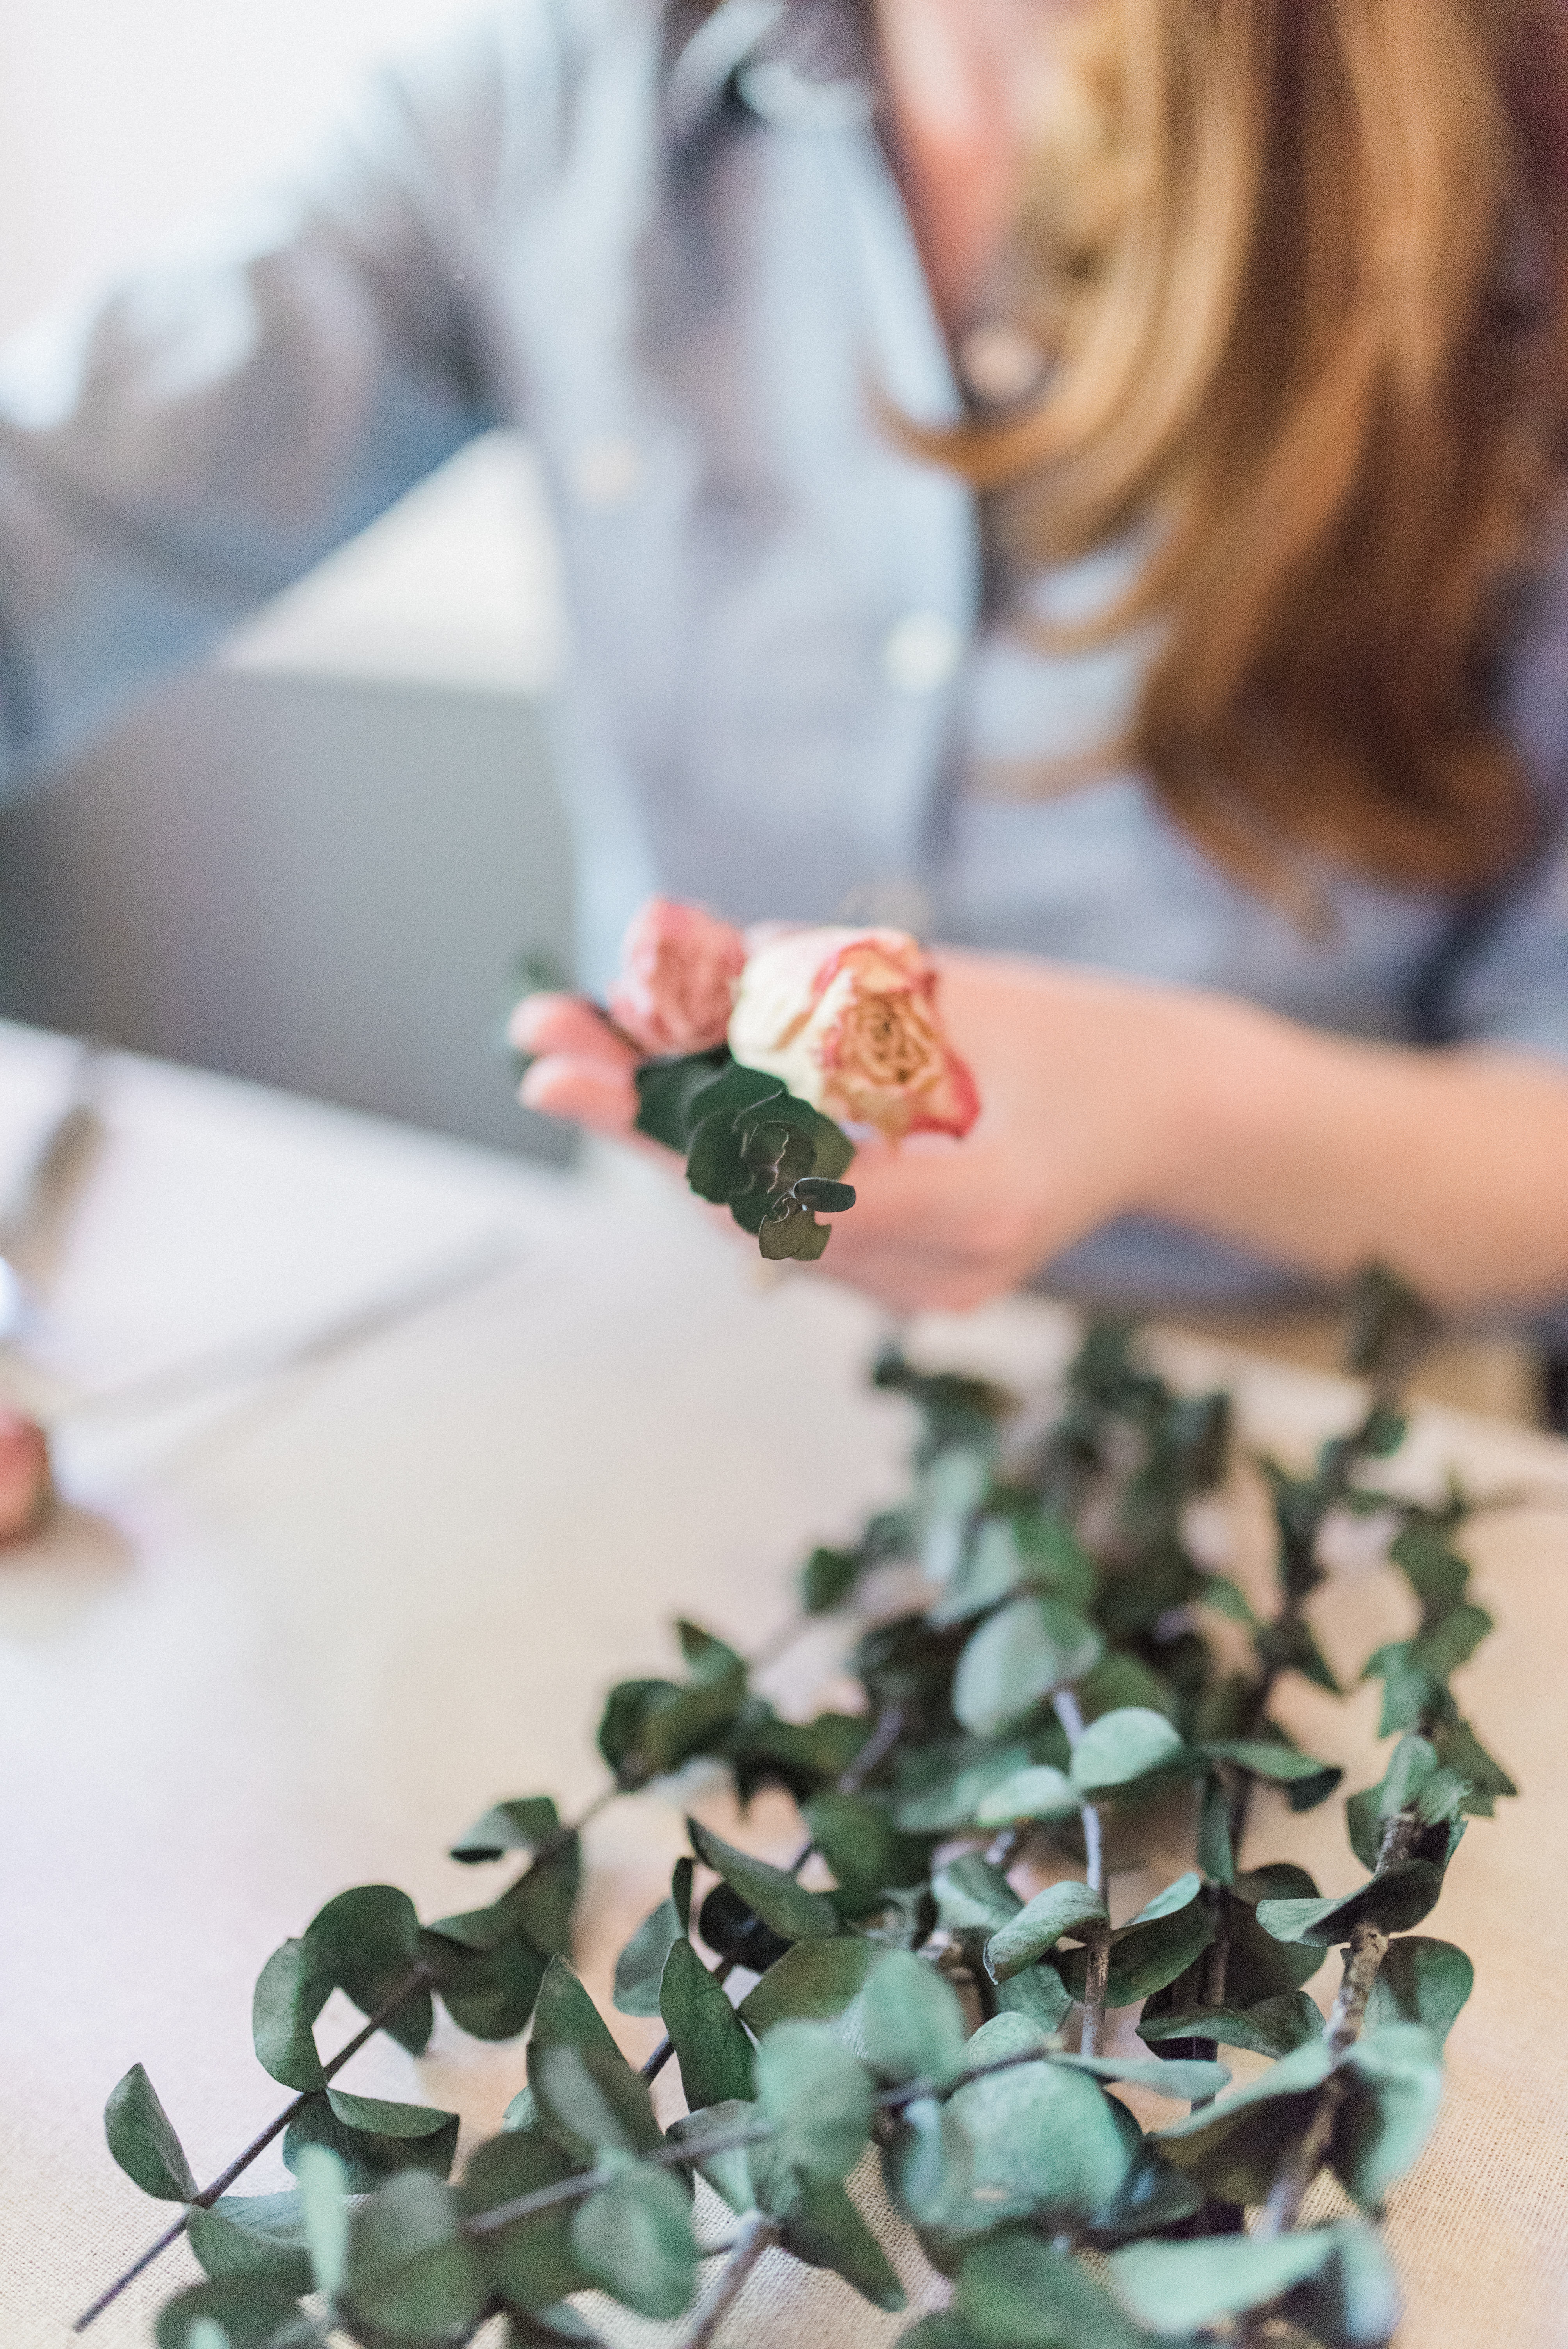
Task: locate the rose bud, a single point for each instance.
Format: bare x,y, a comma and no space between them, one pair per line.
848,1020
678,972
26,1487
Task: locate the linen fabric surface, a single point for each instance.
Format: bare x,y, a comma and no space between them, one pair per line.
668,243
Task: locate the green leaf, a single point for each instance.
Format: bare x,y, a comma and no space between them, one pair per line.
373,2138
530,2264
640,1968
817,2095
1121,1683
251,2316
1175,2287
1159,1945
1216,1855
1123,1747
946,1804
1044,2139
1393,1901
1018,2293
649,1728
1019,1657
1274,2027
1383,2124
910,2022
1067,1908
1460,1750
487,1970
366,1942
1420,1981
324,2208
1443,1646
729,2173
972,1896
1234,2149
710,2042
782,1904
1228,1599
856,1837
257,2235
1410,1765
1037,1793
567,2017
520,1824
822,2227
1281,1764
1038,1996
827,1580
814,1981
290,1991
711,1661
634,2240
1353,2300
142,2140
541,1902
411,2274
666,1090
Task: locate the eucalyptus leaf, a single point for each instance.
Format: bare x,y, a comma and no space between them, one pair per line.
1394,1901
290,1991
1353,2299
823,2228
1234,2149
567,2017
324,2210
366,1942
257,2235
910,2022
769,1892
412,2275
814,1981
1046,2141
1037,1792
488,1972
530,2264
709,2039
1175,2287
142,2140
729,2173
1018,2293
541,1902
633,2240
1382,2125
856,1835
639,1969
373,2138
523,1824
818,2097
1065,1908
1020,1656
250,2316
1420,1981
1274,2027
1123,1747
1187,2083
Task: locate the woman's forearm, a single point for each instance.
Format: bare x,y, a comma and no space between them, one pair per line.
1450,1166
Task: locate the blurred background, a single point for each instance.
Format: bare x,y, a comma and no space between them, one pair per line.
317,861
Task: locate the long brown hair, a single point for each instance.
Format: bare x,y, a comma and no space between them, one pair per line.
1299,266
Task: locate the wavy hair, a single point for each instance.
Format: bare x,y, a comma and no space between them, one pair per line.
1300,269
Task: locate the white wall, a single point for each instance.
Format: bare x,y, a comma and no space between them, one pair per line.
120,118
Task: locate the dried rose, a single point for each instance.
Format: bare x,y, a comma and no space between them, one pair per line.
848,1020
25,1488
679,966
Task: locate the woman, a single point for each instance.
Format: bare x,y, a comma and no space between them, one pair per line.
1078,479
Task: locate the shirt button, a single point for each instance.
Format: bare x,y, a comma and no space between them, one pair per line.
605,473
921,652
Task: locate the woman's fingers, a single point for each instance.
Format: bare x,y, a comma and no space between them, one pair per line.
590,1090
566,1023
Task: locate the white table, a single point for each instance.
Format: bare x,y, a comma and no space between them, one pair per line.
294,1639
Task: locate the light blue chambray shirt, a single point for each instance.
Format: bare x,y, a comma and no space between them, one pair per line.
679,260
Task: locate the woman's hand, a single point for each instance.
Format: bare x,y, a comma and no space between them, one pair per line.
1103,1097
1071,1072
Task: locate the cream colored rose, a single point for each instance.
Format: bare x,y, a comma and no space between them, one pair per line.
848,1019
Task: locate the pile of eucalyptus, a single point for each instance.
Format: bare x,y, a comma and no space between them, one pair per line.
1064,1693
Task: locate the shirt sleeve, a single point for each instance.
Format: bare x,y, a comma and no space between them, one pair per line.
1506,980
197,438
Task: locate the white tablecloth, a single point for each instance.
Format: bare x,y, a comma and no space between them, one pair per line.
295,1639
